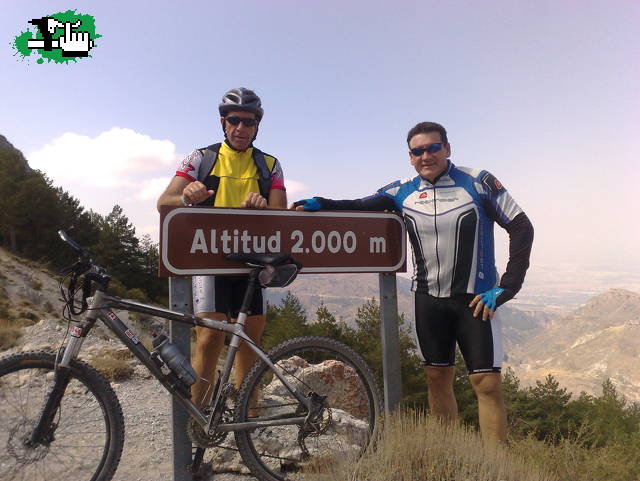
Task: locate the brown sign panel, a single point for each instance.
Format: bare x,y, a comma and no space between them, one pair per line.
195,240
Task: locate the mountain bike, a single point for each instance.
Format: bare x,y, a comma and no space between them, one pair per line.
304,404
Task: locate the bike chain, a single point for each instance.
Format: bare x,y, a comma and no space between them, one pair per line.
317,426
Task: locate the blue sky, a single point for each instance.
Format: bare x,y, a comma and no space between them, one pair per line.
541,93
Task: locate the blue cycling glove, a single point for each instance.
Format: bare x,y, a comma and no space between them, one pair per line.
490,297
309,204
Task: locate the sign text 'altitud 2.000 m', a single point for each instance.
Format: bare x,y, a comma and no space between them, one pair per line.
195,240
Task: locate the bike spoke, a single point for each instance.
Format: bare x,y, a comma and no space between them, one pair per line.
75,445
340,418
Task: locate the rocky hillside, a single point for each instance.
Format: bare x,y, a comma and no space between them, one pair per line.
599,340
582,348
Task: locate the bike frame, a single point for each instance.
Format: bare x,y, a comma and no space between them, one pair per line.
100,307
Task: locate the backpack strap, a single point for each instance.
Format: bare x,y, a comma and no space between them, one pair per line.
211,182
264,176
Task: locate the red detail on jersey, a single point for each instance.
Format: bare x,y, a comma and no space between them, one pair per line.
423,195
186,176
498,184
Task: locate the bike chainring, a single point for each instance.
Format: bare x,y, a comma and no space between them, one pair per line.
200,438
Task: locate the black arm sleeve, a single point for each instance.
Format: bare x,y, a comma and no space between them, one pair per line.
376,202
520,232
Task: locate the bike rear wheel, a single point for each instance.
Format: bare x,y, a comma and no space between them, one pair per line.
342,427
86,440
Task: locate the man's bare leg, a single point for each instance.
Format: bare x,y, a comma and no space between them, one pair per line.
245,358
254,326
209,344
442,400
491,408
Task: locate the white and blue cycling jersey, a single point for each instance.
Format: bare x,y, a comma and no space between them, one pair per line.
450,226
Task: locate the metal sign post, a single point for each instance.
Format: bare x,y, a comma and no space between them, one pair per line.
180,336
390,342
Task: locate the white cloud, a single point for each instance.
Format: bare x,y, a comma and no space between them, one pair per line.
116,158
152,188
119,166
294,188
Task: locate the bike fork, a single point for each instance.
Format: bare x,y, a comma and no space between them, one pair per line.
43,431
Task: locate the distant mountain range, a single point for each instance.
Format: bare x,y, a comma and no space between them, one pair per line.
582,348
599,340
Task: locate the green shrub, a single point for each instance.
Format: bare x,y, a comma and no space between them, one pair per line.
116,288
137,295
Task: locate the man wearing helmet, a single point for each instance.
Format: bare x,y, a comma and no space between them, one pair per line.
230,174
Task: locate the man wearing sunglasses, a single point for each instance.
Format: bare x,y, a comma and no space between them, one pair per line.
449,212
232,173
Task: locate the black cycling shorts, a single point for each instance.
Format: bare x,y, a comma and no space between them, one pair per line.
441,322
224,294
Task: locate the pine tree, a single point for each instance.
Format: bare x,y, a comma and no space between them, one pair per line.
326,324
284,322
118,249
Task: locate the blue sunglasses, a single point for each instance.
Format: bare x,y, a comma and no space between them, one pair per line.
432,149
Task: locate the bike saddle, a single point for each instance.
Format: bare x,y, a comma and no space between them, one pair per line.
264,259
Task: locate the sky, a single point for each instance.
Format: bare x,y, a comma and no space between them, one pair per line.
543,94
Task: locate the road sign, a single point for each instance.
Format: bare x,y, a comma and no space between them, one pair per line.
195,240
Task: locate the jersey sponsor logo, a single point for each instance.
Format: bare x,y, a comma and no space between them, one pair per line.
277,172
424,195
494,185
186,165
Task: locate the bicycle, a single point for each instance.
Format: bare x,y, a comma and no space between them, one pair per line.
60,418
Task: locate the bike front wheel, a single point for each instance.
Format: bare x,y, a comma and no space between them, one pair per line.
343,418
87,434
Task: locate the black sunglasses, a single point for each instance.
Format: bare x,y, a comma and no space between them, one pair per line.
432,149
248,122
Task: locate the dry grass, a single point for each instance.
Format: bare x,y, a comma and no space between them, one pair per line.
575,460
10,333
415,447
113,364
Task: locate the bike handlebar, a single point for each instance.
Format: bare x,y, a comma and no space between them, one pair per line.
83,253
84,266
92,272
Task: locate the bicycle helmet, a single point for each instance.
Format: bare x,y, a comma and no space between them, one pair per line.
241,99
